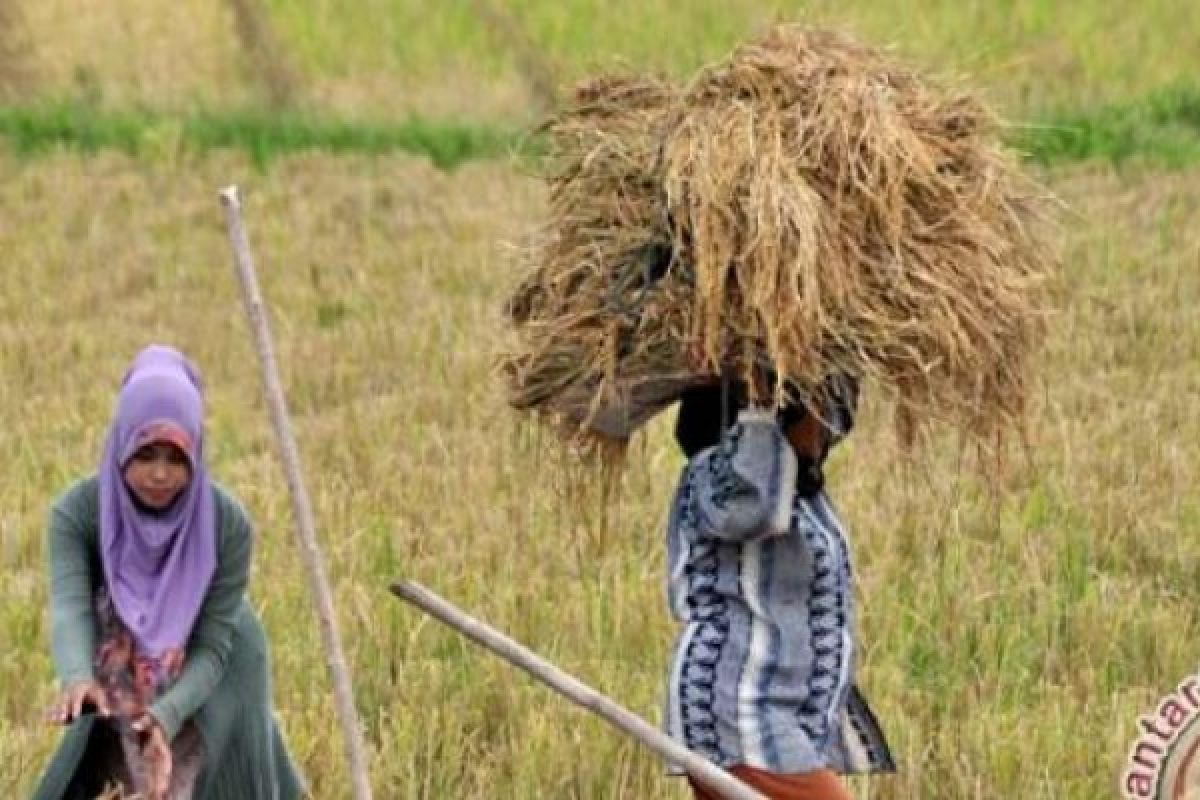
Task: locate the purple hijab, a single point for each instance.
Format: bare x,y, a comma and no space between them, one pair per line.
157,565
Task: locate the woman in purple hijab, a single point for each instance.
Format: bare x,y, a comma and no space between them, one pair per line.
162,660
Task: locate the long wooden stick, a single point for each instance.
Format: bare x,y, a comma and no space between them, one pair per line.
578,692
301,506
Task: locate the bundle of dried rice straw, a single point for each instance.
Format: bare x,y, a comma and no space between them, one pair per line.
806,207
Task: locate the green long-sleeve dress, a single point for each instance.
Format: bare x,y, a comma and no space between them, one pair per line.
224,688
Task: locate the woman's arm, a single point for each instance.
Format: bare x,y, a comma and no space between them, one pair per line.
211,641
72,615
743,487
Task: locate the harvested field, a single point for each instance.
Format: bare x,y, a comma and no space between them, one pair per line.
997,635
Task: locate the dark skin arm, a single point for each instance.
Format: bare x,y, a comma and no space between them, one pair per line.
807,437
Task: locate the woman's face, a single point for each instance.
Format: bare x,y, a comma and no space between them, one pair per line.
157,473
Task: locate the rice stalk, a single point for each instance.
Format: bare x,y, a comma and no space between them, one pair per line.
807,207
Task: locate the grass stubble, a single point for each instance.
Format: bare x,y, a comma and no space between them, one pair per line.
17,77
1009,642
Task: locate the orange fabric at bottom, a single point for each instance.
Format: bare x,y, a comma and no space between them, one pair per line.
820,785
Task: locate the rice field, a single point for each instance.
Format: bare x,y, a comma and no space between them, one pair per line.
388,58
1011,635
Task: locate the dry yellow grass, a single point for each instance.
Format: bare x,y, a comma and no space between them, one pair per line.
137,52
384,58
1009,644
16,74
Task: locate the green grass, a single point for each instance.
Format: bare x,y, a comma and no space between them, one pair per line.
31,130
1161,129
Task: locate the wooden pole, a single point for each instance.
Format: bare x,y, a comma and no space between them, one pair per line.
576,691
301,506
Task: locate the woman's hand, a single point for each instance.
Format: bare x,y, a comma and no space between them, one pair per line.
75,699
156,751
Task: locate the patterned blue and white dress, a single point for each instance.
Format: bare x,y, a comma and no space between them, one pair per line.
760,579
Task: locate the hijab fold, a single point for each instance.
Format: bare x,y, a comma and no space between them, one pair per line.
157,564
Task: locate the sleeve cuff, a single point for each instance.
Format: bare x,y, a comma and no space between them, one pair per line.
76,676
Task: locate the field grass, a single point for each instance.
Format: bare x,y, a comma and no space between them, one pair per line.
1009,642
1161,129
261,135
391,58
1090,82
1010,639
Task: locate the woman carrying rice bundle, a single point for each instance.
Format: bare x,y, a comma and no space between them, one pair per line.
151,628
810,210
762,677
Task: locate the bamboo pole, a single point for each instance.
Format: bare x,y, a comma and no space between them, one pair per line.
301,506
576,691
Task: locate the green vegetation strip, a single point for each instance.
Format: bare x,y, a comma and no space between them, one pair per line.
1161,129
34,129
